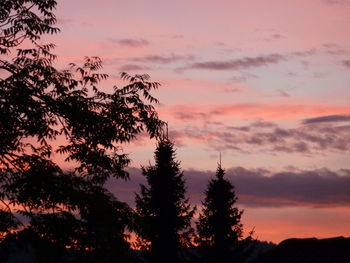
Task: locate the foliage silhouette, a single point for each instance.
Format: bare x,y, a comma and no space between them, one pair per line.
219,226
164,213
45,112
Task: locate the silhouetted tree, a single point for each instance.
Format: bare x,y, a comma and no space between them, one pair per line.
219,226
45,111
164,211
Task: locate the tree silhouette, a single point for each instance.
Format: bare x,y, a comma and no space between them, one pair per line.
164,212
219,226
44,112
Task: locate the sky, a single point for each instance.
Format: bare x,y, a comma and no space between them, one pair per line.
264,82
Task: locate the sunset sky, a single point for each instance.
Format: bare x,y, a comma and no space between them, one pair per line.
264,82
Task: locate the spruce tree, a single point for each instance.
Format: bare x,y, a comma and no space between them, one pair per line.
219,226
163,210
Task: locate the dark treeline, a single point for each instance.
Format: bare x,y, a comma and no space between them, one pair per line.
48,214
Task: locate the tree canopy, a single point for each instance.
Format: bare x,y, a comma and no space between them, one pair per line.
45,112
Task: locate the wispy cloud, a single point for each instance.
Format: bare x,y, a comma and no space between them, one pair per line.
262,110
328,118
305,53
305,140
243,77
319,135
249,62
273,37
261,187
139,63
236,64
346,63
129,42
334,49
336,2
282,93
163,59
186,116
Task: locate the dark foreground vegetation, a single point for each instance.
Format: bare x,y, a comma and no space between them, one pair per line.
54,215
48,214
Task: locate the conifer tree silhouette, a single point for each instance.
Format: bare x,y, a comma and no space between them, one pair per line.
163,210
219,226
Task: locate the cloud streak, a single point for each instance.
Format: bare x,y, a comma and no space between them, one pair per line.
336,2
329,118
306,140
248,62
346,63
213,127
128,42
236,64
261,187
261,110
163,59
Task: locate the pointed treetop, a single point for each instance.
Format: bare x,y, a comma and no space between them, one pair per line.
220,172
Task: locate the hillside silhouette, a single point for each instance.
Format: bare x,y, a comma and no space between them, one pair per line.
308,250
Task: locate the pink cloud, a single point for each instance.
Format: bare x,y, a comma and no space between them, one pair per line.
195,85
258,110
